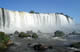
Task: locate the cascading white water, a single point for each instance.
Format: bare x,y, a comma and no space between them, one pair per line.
22,21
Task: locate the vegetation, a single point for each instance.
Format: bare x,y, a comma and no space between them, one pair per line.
66,15
4,39
34,35
59,13
22,34
34,12
31,11
28,34
62,13
59,33
74,33
76,45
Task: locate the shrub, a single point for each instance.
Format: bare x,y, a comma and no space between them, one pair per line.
74,33
62,13
59,33
76,45
22,34
31,11
34,35
67,16
3,40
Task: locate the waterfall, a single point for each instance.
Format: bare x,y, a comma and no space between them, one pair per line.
22,21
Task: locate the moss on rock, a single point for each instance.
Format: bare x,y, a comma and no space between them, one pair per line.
34,35
76,45
22,34
59,33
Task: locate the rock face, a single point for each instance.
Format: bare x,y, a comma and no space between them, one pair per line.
17,20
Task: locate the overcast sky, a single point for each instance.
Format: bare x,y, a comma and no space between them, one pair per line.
69,7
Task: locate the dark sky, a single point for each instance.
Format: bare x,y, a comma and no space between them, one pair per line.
69,7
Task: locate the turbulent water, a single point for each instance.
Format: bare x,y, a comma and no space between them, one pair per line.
22,21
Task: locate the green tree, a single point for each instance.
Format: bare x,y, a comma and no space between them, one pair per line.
31,11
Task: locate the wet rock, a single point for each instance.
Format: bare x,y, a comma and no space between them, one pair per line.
76,51
22,34
10,34
16,32
40,47
50,47
30,32
29,44
34,35
3,46
10,42
76,45
29,38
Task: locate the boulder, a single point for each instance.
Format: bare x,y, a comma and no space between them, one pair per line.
40,47
76,45
22,34
76,51
10,42
50,47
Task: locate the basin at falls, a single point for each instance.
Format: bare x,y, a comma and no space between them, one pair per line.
47,23
11,21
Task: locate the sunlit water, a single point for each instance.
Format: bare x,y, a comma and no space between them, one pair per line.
23,21
58,43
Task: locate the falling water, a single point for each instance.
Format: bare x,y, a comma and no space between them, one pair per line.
17,20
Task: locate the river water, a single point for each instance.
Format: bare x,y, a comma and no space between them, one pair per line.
21,44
